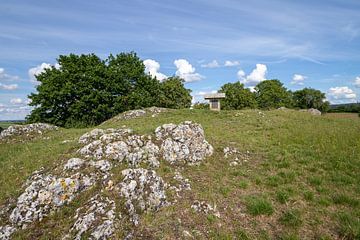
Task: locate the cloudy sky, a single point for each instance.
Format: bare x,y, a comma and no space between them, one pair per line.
206,42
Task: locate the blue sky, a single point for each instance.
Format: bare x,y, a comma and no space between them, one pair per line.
302,43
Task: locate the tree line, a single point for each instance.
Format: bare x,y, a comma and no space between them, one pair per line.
269,94
86,90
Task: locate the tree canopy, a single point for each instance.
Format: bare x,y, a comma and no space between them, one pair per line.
272,94
86,90
310,98
237,97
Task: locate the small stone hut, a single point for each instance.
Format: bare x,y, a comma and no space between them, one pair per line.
214,100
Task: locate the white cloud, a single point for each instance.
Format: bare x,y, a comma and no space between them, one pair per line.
38,70
7,77
341,95
231,63
212,64
16,101
298,79
241,74
357,82
152,67
8,87
202,93
186,71
257,75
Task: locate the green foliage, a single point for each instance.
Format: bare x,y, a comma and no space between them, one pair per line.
272,94
174,94
200,105
237,97
257,205
310,98
86,90
348,107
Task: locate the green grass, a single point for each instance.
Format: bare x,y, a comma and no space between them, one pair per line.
291,218
298,161
258,205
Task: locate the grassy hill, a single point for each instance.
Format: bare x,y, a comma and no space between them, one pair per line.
300,179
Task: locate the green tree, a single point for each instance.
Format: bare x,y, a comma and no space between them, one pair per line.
86,90
174,94
310,98
237,97
73,94
272,94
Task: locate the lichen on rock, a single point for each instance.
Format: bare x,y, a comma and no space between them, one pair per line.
183,143
143,190
123,146
45,193
26,130
97,217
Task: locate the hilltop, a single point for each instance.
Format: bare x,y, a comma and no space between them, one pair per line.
250,174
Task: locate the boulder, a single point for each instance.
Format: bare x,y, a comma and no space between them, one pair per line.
183,143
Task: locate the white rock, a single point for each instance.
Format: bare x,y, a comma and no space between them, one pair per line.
34,128
143,190
183,143
74,164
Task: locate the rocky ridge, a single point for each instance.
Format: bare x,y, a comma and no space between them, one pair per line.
26,130
141,188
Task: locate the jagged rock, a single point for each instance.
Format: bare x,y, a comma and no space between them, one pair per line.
235,156
102,165
143,190
183,143
203,207
97,218
74,164
132,114
34,128
6,231
45,193
121,146
109,133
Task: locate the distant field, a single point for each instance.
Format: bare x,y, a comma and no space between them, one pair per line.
7,124
343,115
301,180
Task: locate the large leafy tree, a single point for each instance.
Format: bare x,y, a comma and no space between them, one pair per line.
237,97
74,94
310,98
86,90
272,94
174,94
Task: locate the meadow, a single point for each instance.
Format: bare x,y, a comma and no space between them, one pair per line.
300,181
